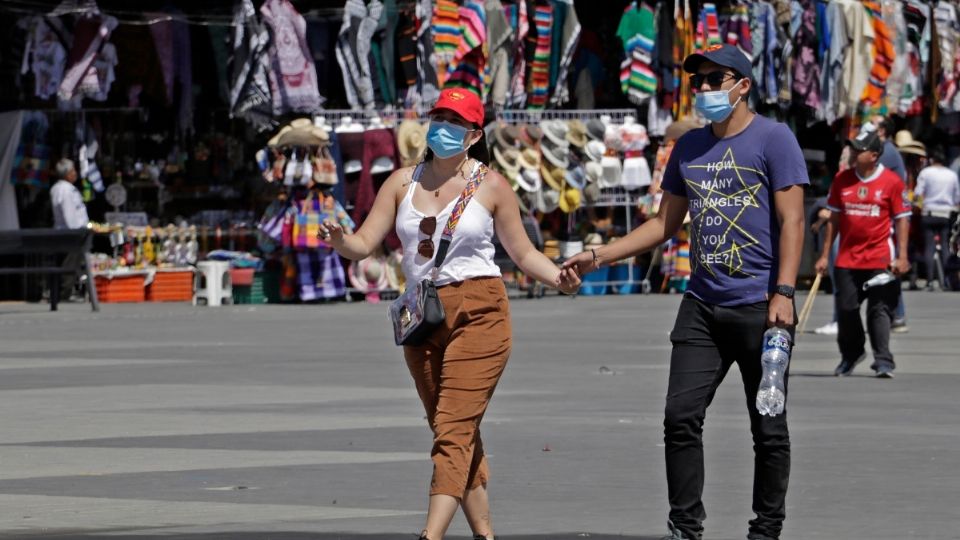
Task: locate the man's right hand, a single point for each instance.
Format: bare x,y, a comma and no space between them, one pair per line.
581,262
822,265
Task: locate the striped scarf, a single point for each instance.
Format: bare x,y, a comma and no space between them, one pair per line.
708,27
539,83
883,56
683,46
637,79
466,71
446,35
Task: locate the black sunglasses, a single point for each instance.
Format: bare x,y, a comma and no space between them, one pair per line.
714,78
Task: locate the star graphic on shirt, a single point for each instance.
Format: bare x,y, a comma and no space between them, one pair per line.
706,191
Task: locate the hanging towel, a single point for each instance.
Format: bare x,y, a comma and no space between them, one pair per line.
570,38
248,68
883,56
293,79
637,32
539,81
353,50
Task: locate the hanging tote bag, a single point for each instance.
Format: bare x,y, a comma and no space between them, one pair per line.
418,311
306,224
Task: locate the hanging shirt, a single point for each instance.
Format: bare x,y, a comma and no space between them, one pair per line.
90,34
44,55
293,79
948,29
883,55
69,212
858,59
500,46
806,70
867,208
899,71
637,32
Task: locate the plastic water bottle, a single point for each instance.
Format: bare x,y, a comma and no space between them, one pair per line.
771,395
879,280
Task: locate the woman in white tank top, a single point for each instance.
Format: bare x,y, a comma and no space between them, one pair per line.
457,369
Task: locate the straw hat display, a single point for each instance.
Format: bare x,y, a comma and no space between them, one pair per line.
529,180
551,248
369,276
546,200
594,150
552,176
300,132
592,241
530,136
570,198
908,145
554,152
577,133
677,129
394,270
411,142
595,129
508,162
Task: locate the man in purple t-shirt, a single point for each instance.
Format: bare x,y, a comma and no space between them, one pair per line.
741,178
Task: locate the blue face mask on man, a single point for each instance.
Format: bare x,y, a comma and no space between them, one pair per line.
446,139
715,106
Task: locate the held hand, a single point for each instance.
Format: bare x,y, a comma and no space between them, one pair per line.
822,265
780,312
568,281
331,233
582,263
900,266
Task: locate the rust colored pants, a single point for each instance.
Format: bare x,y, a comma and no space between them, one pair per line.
456,371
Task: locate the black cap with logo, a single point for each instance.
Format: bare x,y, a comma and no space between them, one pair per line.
866,141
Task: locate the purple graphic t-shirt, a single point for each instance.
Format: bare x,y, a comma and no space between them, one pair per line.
734,229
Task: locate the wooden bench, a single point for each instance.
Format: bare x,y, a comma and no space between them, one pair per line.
47,243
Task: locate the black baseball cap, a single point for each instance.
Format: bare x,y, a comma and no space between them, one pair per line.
866,141
724,55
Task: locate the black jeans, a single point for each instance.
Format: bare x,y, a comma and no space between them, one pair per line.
881,304
933,226
707,340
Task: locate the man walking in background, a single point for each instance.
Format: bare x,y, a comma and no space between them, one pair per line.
865,201
938,192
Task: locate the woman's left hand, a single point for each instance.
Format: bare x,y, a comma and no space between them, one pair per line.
568,281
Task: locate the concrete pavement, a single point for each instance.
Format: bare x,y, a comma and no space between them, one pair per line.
301,422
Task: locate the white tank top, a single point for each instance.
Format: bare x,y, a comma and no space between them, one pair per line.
471,250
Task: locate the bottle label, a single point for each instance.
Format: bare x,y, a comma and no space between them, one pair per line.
778,340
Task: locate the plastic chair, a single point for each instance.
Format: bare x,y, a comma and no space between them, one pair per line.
214,286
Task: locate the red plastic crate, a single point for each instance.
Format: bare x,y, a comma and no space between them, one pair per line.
171,287
241,276
121,288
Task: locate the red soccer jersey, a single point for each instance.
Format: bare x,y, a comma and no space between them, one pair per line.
867,208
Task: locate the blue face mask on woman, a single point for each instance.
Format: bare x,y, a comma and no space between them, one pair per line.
715,106
446,139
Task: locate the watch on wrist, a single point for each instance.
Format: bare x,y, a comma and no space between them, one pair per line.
786,290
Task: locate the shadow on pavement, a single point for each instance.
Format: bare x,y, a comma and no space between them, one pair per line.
293,535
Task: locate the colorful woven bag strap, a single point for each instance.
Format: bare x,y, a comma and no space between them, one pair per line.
479,173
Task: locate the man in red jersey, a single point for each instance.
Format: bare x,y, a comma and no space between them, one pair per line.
865,201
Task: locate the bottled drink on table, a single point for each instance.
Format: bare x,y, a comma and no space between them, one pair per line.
771,395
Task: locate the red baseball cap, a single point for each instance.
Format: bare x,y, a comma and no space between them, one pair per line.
463,102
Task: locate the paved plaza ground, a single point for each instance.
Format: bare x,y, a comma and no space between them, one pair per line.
169,421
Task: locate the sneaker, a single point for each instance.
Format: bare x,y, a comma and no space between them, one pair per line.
845,367
899,326
675,533
885,372
829,329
